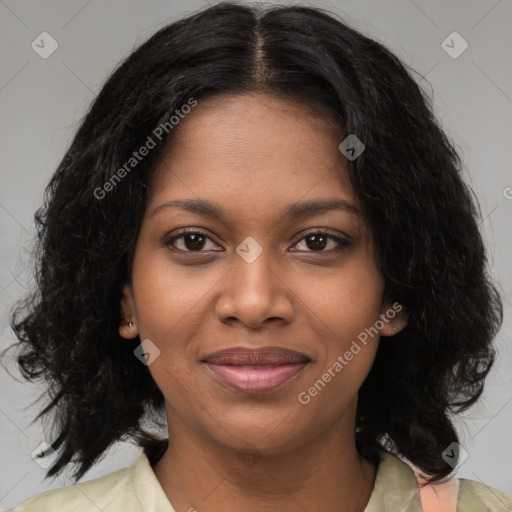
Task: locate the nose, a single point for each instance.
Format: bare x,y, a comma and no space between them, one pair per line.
255,293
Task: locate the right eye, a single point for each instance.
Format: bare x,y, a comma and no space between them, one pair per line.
190,241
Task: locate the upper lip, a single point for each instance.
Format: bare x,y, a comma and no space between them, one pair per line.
256,356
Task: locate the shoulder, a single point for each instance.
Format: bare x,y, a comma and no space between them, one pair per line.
395,487
478,497
114,491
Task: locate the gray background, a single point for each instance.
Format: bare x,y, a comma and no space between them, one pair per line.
42,101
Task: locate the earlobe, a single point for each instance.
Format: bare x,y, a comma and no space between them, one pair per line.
128,328
393,319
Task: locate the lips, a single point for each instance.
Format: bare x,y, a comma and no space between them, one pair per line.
255,370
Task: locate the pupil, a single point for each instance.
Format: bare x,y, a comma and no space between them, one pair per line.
318,241
197,241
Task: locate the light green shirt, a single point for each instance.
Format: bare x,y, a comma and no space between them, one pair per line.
137,489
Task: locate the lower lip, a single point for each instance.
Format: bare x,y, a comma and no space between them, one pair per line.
255,379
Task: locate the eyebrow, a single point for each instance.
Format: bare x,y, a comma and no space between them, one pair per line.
294,211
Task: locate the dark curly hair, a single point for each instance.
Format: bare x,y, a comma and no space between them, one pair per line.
422,216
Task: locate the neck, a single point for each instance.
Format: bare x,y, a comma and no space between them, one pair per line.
326,474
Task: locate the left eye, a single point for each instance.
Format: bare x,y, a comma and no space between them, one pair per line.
318,241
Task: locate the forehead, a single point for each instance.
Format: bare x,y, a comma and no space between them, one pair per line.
253,151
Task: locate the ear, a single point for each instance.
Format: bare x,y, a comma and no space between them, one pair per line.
128,328
393,318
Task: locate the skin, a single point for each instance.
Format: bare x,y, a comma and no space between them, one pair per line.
255,155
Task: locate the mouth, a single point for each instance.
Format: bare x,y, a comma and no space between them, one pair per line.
256,370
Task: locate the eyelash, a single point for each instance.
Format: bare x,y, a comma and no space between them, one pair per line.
342,242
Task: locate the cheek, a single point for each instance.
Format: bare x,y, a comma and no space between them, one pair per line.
172,310
347,302
345,313
168,296
345,310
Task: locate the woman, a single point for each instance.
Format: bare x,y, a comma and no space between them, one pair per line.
261,230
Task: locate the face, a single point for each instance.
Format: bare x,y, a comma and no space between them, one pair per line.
232,254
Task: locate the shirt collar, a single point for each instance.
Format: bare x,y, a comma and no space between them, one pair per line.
395,487
148,490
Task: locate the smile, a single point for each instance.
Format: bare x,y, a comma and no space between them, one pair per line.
256,370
